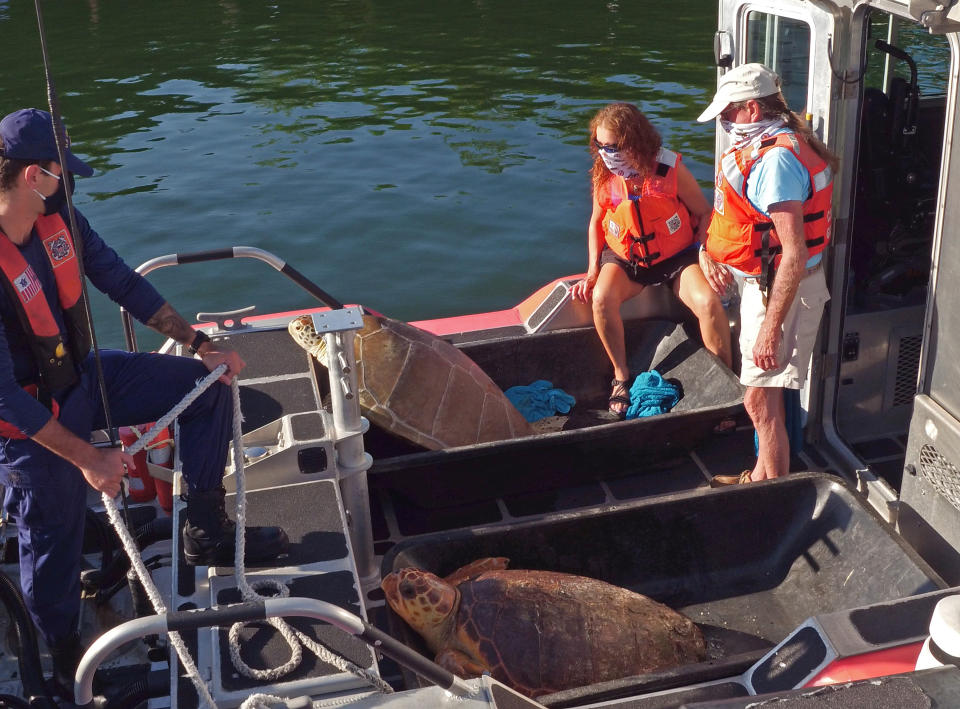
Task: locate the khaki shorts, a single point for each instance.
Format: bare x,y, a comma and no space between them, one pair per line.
799,332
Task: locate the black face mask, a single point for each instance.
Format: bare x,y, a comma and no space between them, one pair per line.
53,202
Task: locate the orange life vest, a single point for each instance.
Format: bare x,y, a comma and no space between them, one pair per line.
743,237
644,222
57,361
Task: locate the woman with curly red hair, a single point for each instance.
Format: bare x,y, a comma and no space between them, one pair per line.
649,219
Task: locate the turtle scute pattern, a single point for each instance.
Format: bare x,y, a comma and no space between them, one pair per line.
541,631
421,387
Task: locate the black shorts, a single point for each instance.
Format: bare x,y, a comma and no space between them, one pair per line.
663,272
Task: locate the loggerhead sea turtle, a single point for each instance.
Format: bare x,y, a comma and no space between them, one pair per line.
540,631
420,387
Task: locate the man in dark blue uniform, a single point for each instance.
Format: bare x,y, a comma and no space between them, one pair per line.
50,400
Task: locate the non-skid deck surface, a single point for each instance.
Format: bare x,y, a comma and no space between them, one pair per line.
310,515
276,380
262,646
319,565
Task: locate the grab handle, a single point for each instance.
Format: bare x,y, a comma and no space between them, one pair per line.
270,259
259,610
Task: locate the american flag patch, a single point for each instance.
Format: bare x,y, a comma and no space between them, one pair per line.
27,285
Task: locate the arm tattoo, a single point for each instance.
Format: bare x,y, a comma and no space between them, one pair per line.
169,322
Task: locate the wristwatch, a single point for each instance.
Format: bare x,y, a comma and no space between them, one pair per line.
198,340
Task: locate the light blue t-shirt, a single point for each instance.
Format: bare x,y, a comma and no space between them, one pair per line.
779,177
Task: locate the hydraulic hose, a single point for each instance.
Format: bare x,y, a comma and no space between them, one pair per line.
149,685
146,534
28,653
105,536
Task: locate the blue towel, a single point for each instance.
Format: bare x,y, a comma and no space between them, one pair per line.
651,395
539,400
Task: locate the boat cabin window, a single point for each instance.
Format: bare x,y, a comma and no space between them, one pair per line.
897,168
783,44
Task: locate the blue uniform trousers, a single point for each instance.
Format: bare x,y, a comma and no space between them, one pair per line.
47,495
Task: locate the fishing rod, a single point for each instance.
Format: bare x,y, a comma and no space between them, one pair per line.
60,138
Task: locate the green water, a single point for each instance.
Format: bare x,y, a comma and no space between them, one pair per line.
424,158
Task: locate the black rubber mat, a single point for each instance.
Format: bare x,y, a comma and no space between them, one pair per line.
310,515
268,354
267,401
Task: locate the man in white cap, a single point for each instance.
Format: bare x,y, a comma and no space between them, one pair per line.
770,224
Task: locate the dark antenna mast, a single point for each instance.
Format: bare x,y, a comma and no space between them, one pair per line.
60,136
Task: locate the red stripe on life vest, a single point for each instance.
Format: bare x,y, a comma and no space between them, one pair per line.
60,250
29,290
63,257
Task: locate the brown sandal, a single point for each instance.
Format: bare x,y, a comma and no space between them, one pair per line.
618,398
724,480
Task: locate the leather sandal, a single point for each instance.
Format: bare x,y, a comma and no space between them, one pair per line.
724,480
617,398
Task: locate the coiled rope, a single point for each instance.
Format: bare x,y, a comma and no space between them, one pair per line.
293,637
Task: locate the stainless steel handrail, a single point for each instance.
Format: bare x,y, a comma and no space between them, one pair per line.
268,258
260,610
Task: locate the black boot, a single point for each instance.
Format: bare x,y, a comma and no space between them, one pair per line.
209,536
66,654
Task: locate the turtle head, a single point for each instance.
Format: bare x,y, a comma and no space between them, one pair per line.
425,601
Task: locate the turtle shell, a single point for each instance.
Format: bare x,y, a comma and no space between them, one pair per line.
421,387
541,632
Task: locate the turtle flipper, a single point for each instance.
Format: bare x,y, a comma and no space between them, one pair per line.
475,568
460,663
304,334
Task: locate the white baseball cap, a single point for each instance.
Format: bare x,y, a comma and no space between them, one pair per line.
745,82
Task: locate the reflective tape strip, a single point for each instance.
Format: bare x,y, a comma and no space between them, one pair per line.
667,157
731,172
822,179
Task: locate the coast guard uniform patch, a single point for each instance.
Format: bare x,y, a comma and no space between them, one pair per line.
58,246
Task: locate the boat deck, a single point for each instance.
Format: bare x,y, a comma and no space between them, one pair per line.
419,494
416,496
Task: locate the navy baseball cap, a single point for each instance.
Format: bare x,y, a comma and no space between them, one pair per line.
28,135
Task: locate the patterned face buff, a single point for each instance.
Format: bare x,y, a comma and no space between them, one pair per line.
744,132
616,163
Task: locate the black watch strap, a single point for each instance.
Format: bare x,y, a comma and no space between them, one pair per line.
198,340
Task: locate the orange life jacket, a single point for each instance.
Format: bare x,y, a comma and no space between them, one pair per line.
644,222
743,237
57,361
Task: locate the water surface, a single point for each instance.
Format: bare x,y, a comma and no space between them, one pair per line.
424,158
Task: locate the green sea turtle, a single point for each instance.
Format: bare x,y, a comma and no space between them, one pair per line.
421,387
540,631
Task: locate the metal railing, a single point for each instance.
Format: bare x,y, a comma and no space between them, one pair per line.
226,616
268,258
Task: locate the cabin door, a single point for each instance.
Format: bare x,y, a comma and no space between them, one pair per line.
929,507
792,38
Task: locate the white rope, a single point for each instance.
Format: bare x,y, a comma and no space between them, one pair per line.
268,701
152,446
293,637
130,546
